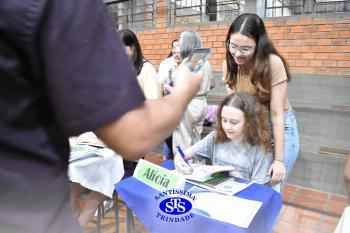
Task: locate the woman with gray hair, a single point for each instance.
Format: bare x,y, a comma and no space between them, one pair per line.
190,128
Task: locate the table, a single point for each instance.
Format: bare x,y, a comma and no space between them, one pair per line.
98,173
140,198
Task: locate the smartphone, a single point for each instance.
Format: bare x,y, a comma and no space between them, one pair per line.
197,58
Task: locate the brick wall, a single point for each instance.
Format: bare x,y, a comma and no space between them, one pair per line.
317,46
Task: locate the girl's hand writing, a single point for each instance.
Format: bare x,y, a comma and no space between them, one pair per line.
181,166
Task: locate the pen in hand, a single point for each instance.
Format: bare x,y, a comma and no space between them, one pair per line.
182,155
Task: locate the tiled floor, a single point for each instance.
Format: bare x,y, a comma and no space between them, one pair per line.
304,211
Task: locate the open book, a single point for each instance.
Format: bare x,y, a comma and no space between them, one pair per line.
222,179
204,173
208,175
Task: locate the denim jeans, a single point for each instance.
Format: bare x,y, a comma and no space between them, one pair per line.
291,145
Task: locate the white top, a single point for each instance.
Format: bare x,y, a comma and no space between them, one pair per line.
165,70
148,81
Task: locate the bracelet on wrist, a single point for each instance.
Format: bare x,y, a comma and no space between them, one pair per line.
279,160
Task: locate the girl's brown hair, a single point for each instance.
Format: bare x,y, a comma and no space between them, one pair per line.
253,27
256,132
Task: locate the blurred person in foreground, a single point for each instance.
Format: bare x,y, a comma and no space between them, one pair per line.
65,72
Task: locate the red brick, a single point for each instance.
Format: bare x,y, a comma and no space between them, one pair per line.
344,34
324,41
290,36
277,36
328,63
340,42
321,56
317,21
325,28
301,62
297,29
343,63
333,35
295,56
315,63
341,27
336,56
305,21
312,28
212,38
308,55
342,49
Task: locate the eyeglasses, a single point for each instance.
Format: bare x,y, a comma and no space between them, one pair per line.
244,50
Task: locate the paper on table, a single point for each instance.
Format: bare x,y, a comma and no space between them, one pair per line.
230,209
234,185
78,152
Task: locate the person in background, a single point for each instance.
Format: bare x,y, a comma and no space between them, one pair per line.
190,128
253,65
65,72
146,77
168,65
174,44
241,140
146,73
165,76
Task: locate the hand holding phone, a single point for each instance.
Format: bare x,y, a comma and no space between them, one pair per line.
197,59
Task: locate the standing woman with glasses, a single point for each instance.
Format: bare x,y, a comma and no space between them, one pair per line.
253,65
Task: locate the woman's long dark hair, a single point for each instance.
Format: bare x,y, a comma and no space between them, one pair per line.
252,26
129,38
172,46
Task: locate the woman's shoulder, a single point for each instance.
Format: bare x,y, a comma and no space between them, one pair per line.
148,66
275,60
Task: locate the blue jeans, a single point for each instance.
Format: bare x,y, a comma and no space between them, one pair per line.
291,144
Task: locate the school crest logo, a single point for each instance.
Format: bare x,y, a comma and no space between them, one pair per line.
175,205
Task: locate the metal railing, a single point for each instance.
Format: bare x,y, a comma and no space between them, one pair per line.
182,12
278,8
132,13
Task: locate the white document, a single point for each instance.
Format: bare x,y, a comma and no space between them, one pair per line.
230,209
233,185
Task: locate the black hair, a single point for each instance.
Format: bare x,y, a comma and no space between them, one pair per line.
129,38
172,45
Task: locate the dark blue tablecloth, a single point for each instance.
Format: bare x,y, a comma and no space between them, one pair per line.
140,198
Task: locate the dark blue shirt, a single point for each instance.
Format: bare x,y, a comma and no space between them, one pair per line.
63,71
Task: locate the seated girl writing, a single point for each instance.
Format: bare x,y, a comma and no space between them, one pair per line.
241,140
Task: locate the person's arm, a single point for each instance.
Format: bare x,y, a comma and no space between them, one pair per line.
277,99
229,90
141,129
261,165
